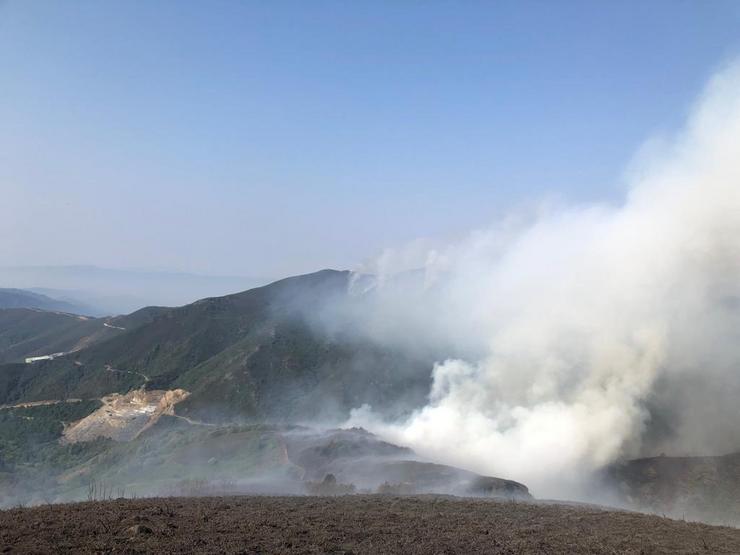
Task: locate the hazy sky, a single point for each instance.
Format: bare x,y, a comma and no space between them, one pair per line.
270,138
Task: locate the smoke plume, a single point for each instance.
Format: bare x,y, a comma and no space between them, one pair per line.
587,333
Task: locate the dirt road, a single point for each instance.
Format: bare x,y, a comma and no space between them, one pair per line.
28,404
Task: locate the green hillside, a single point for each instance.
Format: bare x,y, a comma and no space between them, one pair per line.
255,364
28,332
251,355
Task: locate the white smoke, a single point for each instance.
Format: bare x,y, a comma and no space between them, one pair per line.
579,320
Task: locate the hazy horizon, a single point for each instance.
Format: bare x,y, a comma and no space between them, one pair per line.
98,291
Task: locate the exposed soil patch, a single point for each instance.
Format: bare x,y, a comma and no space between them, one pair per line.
350,524
124,417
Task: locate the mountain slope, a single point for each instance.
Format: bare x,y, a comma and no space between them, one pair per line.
20,298
250,355
31,332
705,488
175,456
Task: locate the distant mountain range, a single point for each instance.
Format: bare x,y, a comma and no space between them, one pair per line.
19,298
105,291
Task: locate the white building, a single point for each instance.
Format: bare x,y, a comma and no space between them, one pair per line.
52,356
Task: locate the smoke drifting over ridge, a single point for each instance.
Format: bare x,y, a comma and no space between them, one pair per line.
589,333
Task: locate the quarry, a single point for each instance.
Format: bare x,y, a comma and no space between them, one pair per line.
124,417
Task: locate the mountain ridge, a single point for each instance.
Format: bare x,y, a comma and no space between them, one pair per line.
252,354
23,298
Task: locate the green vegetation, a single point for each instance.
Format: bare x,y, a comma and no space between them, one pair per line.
31,454
30,435
171,456
246,358
173,453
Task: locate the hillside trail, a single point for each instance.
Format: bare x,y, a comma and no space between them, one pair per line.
193,422
109,368
28,404
106,401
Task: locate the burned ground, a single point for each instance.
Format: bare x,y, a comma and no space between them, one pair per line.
700,488
349,524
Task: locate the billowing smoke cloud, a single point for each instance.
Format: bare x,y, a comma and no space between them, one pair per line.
589,333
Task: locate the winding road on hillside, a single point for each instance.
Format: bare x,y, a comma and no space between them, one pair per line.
29,404
194,422
109,368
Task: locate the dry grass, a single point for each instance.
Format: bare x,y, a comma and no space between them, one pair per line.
349,524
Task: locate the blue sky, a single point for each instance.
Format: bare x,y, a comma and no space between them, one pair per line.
270,138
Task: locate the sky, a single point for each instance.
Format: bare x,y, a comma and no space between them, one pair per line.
271,138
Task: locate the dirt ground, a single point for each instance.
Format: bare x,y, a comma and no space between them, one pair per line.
349,524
